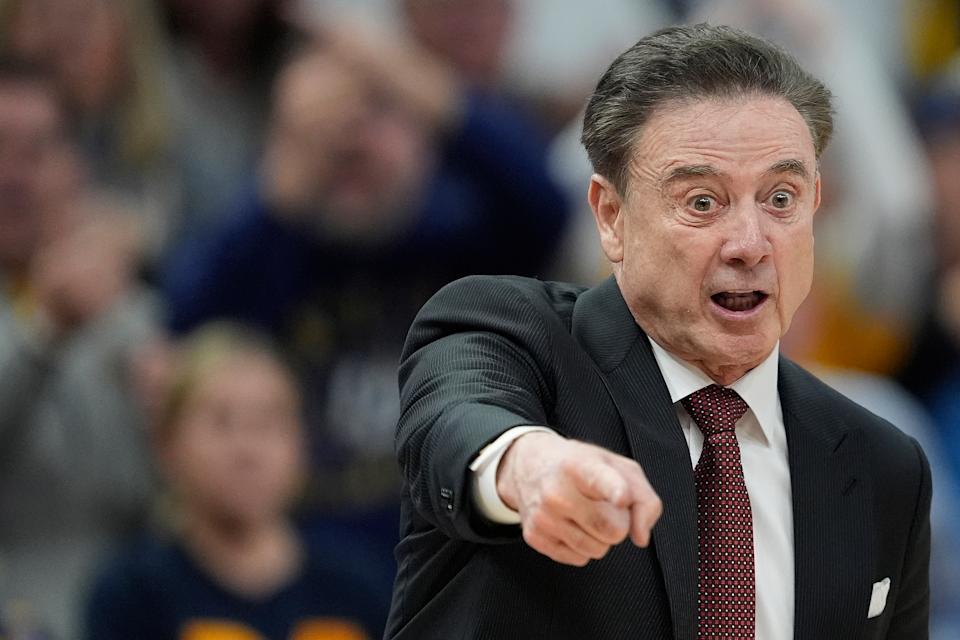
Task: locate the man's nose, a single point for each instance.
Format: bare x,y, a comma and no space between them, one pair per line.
746,242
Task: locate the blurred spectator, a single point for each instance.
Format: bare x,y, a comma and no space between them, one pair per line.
933,30
933,370
543,54
110,62
230,443
469,34
73,471
382,180
225,57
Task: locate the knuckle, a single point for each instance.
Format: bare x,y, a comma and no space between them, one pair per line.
593,549
584,544
553,500
600,524
540,521
605,527
556,556
533,538
601,551
633,468
576,540
569,466
590,477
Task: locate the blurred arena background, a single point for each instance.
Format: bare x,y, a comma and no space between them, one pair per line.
218,218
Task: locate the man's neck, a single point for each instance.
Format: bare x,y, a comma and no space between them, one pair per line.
722,374
684,377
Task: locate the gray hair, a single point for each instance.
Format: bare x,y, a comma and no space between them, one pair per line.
693,62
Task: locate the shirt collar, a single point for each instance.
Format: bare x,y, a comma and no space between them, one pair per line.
758,387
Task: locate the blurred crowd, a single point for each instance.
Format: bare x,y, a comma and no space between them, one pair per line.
218,218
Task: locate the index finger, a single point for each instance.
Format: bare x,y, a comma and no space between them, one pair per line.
645,504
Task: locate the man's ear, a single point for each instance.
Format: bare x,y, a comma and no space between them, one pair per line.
816,191
606,203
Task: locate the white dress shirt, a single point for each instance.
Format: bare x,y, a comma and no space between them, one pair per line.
763,453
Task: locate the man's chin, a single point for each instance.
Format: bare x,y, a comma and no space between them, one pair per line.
743,350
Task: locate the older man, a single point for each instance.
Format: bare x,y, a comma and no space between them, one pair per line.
782,509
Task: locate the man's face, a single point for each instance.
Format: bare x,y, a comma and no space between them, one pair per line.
359,157
712,243
85,42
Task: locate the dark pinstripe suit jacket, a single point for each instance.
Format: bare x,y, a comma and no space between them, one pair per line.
487,354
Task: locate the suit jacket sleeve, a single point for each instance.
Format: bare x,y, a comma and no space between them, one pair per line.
475,364
911,617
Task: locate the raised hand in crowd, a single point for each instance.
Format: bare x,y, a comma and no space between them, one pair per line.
86,267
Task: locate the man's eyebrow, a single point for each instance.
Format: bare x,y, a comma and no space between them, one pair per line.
796,167
689,171
791,165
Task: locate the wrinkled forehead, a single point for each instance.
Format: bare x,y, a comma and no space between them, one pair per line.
737,135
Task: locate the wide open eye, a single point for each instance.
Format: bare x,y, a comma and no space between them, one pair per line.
702,203
781,199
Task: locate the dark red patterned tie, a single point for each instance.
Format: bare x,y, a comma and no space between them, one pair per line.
727,588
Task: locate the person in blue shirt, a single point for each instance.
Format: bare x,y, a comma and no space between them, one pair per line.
234,565
384,176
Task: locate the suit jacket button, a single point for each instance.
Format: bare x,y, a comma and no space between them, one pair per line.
446,494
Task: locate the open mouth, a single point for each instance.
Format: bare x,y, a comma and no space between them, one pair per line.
739,301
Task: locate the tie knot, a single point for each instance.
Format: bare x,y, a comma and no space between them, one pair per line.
715,409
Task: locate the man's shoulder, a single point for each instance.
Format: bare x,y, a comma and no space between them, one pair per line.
530,314
557,294
482,294
881,434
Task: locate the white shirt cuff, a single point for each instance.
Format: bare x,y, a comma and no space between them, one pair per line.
484,468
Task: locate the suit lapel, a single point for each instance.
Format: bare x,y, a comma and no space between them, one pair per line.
832,513
603,325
